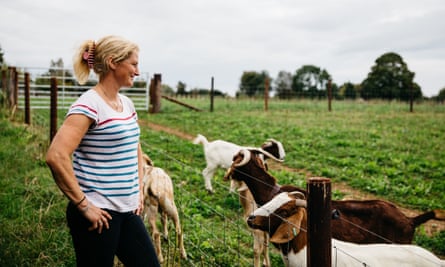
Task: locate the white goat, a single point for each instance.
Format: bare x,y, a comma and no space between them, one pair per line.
290,236
158,197
219,154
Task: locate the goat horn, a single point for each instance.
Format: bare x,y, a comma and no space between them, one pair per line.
300,203
298,194
262,151
246,157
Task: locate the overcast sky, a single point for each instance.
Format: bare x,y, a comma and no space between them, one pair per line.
194,40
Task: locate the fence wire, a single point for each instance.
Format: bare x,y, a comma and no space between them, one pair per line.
244,260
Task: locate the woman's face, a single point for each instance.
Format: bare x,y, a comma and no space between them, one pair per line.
126,70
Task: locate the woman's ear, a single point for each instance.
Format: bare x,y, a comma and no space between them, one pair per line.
111,64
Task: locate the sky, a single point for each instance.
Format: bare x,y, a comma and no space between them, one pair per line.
192,41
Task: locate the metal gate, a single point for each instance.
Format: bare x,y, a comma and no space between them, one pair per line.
69,90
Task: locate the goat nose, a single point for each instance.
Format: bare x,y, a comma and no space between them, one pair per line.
335,214
250,219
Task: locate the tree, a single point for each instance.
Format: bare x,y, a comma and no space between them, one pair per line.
253,83
181,88
348,91
283,85
390,79
310,81
166,89
1,56
441,96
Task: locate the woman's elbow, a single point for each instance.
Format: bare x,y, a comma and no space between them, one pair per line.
52,157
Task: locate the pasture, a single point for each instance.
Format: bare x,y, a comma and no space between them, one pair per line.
378,148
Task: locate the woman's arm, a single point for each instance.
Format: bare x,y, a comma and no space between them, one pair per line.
59,160
141,181
60,152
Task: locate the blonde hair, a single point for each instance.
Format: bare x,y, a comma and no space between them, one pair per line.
112,46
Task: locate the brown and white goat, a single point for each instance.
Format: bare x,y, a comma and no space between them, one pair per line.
219,154
159,198
285,219
365,221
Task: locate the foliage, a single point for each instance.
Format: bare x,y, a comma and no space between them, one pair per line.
310,81
181,88
390,79
348,91
441,96
33,230
283,85
167,90
2,60
253,83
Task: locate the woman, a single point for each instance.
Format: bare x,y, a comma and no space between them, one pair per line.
96,160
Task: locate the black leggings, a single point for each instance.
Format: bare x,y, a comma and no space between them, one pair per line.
127,238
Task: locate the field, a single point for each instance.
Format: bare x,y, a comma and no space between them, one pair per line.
379,149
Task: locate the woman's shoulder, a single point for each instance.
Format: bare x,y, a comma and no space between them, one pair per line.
88,97
87,104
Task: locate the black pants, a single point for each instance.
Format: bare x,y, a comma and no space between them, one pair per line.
127,238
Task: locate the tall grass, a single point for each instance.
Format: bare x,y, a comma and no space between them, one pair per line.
380,148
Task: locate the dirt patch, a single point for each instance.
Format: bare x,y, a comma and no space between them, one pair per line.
431,227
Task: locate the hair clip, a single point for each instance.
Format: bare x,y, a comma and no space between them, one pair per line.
88,55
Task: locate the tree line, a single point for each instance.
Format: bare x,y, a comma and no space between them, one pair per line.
388,79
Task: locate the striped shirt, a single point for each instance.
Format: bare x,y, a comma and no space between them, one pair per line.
106,160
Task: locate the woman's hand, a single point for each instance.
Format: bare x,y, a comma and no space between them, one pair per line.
140,208
99,218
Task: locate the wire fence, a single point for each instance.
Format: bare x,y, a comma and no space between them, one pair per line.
239,225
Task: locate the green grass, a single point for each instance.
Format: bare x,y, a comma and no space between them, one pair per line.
380,148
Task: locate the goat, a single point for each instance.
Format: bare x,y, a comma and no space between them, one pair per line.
159,198
219,153
289,235
260,238
377,221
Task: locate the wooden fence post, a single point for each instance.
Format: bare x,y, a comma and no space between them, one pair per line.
53,109
411,97
212,94
15,88
10,88
4,87
329,95
27,100
266,94
319,222
155,94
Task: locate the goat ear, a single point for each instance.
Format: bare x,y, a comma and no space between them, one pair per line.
260,161
288,229
228,174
